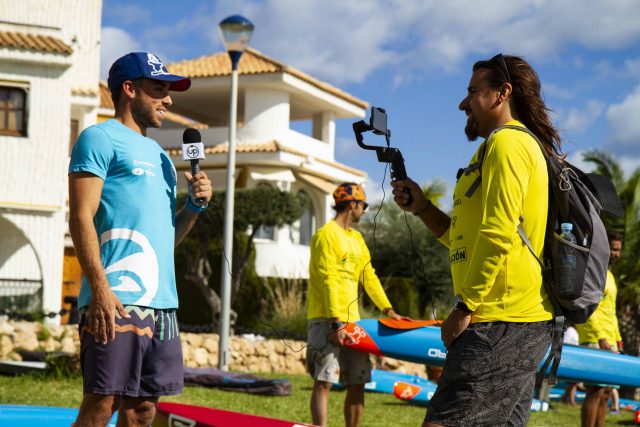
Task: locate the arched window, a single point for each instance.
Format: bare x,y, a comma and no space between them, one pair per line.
306,225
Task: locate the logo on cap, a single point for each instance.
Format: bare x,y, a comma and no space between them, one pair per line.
154,62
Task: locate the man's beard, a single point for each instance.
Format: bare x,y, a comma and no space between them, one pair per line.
144,114
471,129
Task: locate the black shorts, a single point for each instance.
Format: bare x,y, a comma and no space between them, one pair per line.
489,375
144,360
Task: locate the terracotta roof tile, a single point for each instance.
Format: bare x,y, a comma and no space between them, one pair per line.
35,42
84,91
252,62
105,96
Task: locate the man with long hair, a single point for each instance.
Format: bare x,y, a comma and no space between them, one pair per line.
499,329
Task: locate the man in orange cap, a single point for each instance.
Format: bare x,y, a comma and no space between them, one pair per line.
340,261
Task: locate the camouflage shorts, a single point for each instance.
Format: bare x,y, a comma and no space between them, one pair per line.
330,362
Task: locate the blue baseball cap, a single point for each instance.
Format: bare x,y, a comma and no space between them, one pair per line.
135,65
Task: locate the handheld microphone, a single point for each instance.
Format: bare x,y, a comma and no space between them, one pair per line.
193,150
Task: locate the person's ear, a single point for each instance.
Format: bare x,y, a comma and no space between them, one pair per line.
129,89
505,91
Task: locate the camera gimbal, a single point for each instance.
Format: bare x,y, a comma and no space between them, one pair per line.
378,124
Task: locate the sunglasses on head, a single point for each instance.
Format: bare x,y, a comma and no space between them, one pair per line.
499,61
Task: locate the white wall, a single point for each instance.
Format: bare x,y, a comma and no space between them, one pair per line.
281,259
33,169
266,113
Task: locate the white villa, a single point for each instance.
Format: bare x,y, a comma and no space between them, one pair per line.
50,91
269,153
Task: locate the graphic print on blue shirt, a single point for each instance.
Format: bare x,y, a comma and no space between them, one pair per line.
135,218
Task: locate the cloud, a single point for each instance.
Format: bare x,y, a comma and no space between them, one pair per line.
346,148
338,41
375,193
577,159
579,119
346,41
632,66
623,124
115,42
628,164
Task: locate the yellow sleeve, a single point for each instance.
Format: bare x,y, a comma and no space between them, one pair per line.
616,326
594,328
506,170
327,265
617,329
370,281
444,239
597,326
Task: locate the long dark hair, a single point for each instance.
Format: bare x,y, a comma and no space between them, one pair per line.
526,99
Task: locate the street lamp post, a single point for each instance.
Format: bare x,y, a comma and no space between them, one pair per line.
236,32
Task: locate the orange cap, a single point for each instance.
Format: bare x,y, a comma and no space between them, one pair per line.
349,192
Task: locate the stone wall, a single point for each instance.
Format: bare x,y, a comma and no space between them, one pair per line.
248,353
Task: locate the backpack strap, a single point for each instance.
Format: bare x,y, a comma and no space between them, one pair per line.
527,242
483,149
555,353
473,166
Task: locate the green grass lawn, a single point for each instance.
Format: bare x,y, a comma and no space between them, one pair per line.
381,410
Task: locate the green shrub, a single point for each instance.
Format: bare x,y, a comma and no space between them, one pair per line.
284,308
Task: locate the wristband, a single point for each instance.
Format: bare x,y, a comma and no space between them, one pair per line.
193,207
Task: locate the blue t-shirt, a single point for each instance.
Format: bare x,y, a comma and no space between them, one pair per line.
135,219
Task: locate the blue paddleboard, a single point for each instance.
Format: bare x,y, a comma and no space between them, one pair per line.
38,416
383,381
423,345
420,393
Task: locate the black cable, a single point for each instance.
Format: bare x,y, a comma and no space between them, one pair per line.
419,257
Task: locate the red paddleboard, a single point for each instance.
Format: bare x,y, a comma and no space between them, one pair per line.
180,415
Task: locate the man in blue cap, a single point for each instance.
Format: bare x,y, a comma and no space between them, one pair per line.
124,226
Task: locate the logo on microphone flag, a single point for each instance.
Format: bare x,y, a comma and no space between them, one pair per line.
193,151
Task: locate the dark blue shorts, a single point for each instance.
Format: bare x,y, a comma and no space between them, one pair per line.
144,360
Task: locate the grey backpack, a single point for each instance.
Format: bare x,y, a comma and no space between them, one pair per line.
575,285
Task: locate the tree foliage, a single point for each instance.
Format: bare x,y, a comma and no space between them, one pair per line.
199,256
409,259
627,269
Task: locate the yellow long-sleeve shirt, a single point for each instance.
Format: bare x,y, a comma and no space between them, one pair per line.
492,269
339,261
603,323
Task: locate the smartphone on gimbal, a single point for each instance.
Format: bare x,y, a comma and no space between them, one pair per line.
378,121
